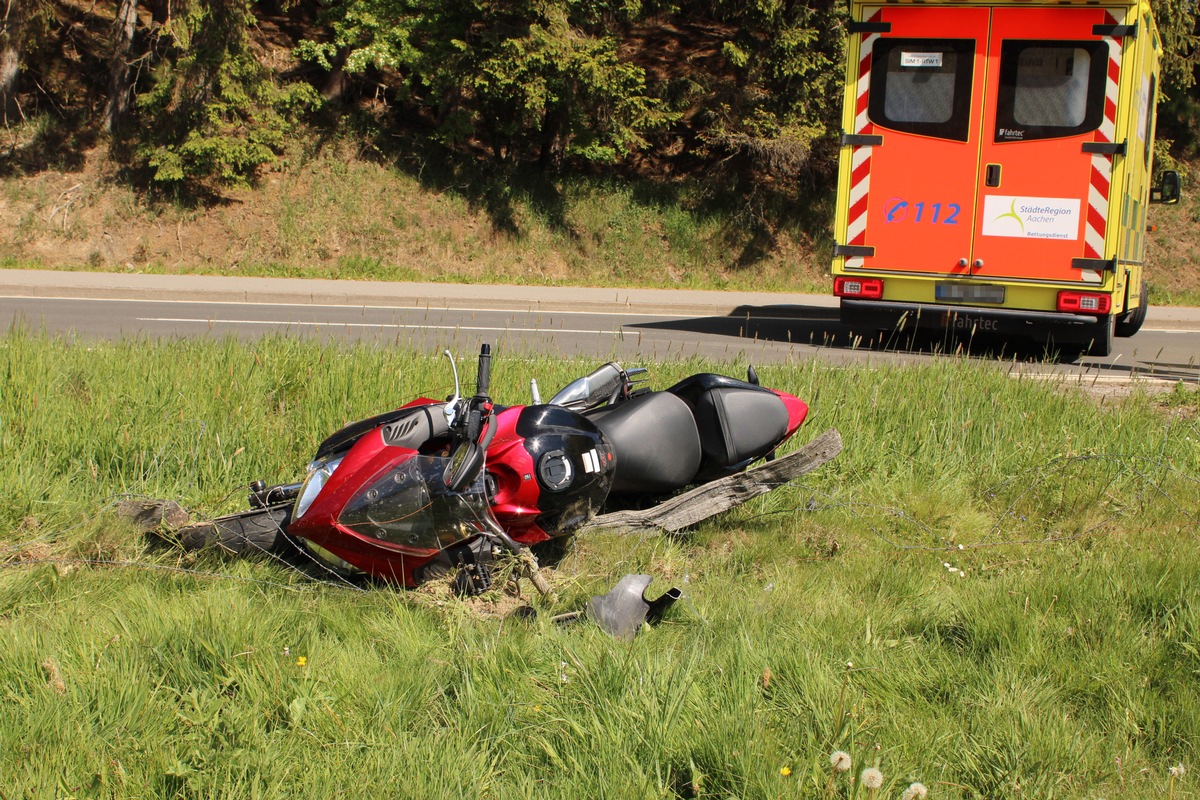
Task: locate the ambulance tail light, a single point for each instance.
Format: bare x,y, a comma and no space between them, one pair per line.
1084,303
858,288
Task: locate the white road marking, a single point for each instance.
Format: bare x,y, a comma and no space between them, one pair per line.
426,308
372,325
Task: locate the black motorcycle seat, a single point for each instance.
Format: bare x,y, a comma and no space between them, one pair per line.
737,421
655,440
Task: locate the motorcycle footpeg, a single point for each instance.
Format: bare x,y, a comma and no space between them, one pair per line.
262,496
622,611
472,580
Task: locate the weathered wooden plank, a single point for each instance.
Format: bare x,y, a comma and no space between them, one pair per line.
713,498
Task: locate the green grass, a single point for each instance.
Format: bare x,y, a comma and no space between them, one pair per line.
1054,657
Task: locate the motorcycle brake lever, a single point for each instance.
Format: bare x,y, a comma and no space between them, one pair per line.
451,410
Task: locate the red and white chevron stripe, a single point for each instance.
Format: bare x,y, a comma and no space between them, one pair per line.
1102,164
860,158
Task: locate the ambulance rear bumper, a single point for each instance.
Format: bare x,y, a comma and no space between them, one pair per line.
883,315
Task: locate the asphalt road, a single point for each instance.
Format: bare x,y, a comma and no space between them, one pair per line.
594,324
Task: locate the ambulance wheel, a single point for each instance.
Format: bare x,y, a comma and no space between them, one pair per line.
1102,337
1131,323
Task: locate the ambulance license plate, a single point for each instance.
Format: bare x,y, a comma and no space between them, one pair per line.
969,293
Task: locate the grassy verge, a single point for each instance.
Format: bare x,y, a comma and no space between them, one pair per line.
337,213
992,591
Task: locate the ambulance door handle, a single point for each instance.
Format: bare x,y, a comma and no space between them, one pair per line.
962,262
978,263
992,177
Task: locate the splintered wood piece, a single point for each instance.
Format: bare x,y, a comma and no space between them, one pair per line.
710,499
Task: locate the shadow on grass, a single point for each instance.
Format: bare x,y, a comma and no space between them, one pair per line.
55,144
750,212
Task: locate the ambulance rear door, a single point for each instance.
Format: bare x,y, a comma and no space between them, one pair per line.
1047,145
983,142
912,193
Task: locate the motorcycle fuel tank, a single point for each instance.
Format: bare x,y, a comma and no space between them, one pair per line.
551,470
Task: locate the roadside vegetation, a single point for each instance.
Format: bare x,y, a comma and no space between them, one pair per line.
991,591
631,143
327,214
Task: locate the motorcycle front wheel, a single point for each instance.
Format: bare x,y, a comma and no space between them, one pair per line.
257,530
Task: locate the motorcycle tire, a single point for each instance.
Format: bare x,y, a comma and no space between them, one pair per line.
258,530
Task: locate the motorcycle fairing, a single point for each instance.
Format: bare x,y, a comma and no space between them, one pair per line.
398,419
411,507
368,461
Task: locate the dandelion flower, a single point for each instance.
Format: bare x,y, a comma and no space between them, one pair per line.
301,661
1178,771
915,791
871,778
785,771
840,761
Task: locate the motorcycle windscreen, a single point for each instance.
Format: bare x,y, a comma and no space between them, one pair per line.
411,507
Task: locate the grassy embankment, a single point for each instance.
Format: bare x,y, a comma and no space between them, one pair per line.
332,213
993,591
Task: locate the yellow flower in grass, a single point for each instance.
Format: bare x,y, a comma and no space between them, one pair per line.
301,661
785,771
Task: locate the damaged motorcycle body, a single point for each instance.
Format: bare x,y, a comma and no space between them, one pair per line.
440,489
624,610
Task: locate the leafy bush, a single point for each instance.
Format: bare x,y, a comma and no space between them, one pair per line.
213,113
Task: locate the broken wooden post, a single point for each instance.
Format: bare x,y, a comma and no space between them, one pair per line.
721,495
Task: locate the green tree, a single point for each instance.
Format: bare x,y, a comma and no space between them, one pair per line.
532,80
1179,104
786,57
119,84
212,114
24,31
1179,24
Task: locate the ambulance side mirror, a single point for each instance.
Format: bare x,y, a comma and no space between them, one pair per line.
1167,190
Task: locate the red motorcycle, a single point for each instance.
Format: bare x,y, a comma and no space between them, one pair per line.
443,489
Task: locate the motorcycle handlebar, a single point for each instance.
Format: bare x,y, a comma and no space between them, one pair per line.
484,379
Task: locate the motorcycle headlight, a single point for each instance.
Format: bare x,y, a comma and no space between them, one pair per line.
318,473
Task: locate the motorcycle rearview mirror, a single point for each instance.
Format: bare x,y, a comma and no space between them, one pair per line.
451,409
466,462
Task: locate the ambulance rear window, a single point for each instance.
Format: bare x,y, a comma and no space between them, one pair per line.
922,86
1050,90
